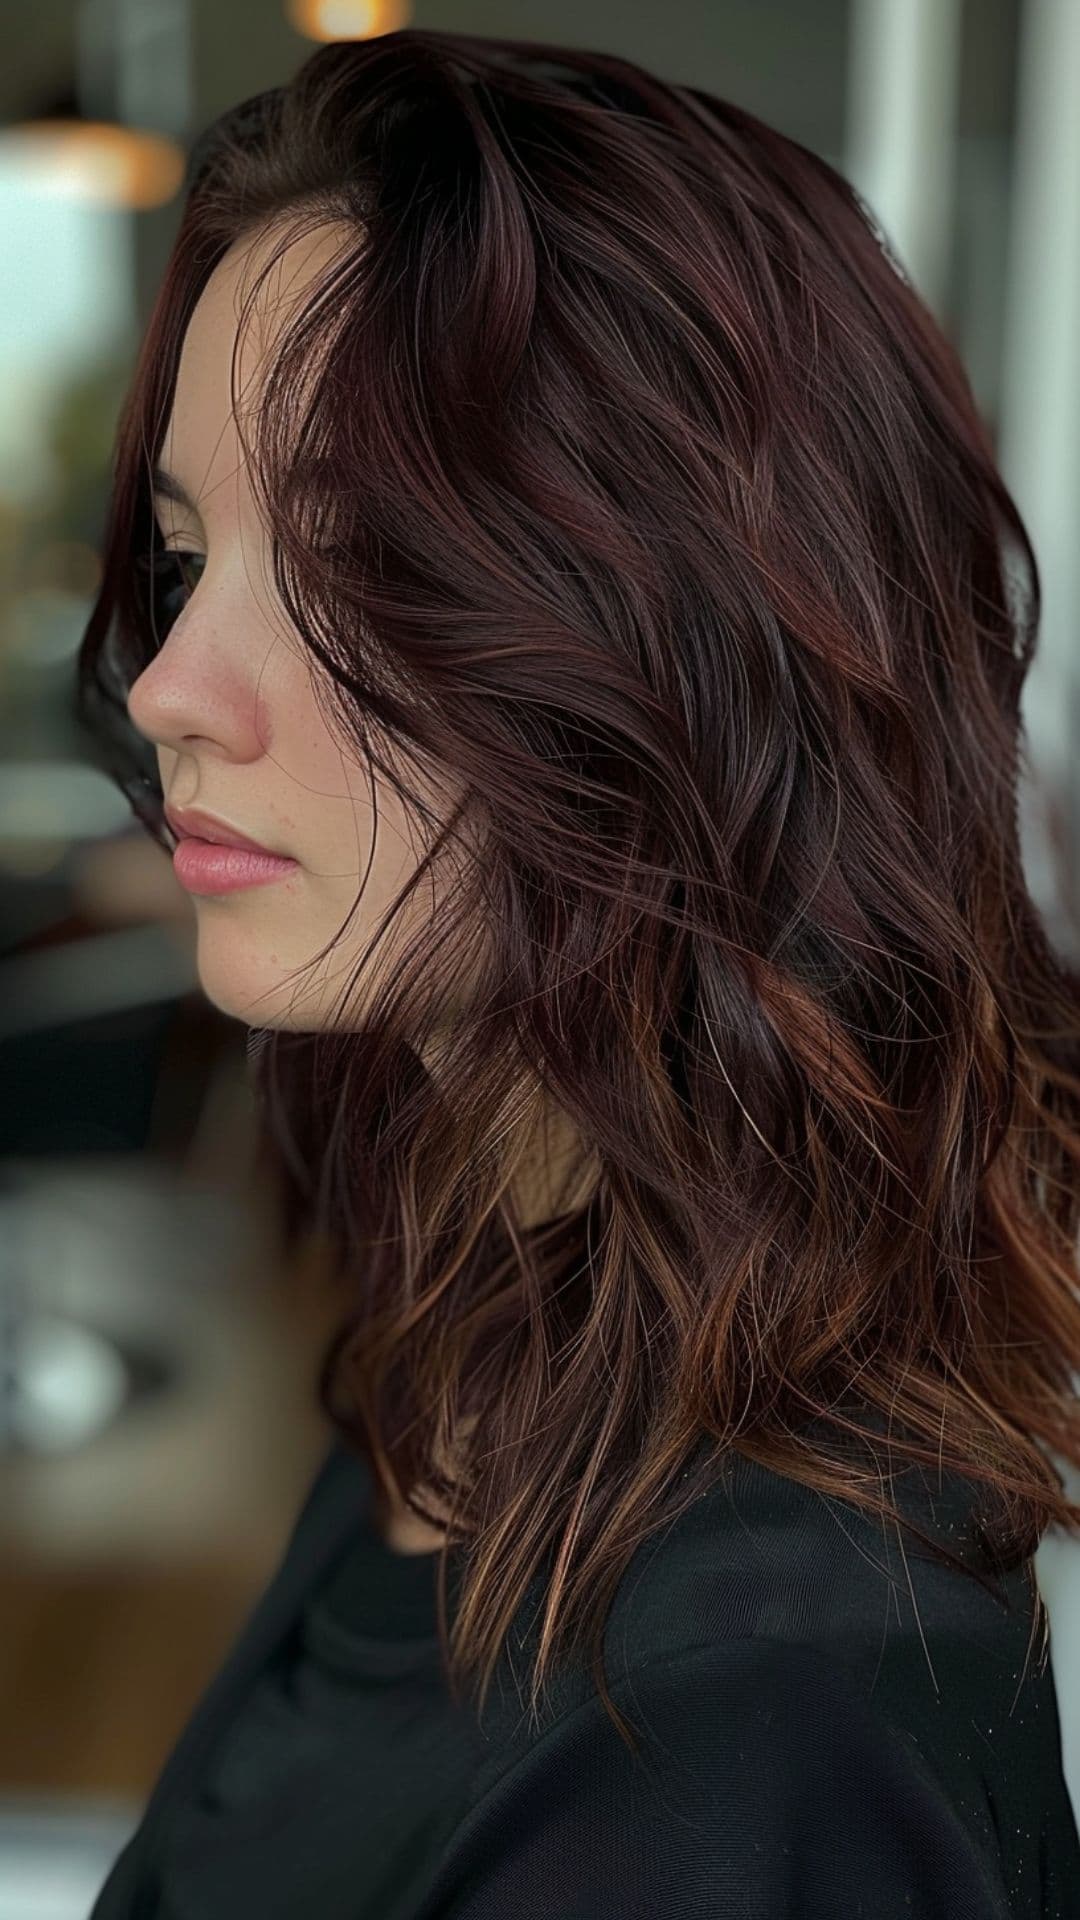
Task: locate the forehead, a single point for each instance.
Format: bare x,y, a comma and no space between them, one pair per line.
200,446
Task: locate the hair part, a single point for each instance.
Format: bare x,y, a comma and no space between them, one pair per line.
617,470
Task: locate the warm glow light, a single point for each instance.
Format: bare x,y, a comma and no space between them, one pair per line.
32,859
96,161
347,19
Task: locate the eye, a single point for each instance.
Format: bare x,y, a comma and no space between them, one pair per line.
167,578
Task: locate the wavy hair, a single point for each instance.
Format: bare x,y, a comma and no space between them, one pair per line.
616,469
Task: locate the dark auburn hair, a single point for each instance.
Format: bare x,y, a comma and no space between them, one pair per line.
617,469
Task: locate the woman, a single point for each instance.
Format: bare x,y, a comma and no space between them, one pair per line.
547,523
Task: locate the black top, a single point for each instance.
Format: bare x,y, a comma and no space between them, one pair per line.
829,1723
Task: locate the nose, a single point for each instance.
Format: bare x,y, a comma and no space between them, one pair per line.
197,696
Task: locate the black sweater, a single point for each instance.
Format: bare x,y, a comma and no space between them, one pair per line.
829,1724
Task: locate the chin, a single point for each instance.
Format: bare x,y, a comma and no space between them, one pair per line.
259,1002
253,975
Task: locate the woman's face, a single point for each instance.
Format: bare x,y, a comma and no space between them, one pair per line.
229,699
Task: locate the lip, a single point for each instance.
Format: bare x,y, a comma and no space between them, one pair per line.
192,823
210,866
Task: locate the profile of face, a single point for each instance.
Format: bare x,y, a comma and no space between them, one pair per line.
229,700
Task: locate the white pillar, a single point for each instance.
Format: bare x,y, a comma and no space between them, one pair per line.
1039,439
1039,451
900,131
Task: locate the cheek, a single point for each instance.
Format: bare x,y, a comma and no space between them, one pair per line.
297,729
264,720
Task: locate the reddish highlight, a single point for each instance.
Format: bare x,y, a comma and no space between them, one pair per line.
618,472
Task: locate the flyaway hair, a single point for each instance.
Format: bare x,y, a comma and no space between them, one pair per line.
617,474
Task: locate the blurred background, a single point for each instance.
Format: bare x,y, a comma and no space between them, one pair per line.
148,1325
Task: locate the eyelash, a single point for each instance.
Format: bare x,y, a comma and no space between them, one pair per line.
165,564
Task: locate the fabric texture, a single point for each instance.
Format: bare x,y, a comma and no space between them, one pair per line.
827,1720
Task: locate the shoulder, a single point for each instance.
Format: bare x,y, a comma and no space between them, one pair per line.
763,1557
760,1557
763,1782
760,1553
818,1703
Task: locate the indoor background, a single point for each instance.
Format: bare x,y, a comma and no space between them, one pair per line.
149,1329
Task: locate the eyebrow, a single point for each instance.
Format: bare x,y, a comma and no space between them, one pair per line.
167,487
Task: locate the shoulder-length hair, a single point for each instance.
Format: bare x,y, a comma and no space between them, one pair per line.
617,470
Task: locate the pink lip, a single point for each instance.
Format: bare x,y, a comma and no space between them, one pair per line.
207,866
193,822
